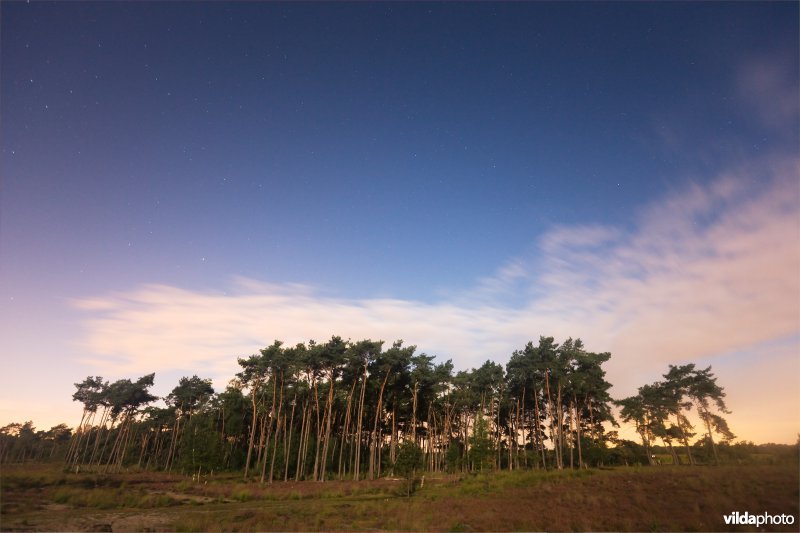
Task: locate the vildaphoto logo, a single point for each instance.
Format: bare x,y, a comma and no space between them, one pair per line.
758,520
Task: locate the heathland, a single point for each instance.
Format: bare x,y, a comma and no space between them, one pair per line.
660,498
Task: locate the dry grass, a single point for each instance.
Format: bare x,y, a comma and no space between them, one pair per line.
627,499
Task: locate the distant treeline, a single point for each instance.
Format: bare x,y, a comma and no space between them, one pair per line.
342,410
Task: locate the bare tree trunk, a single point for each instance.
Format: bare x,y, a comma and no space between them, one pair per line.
539,440
570,442
498,433
318,432
374,443
393,437
100,428
329,416
268,420
578,428
466,442
289,441
300,448
380,451
276,435
173,444
261,434
277,431
113,452
128,432
145,442
534,436
253,394
706,416
414,412
357,465
560,428
516,436
642,429
681,425
76,438
675,459
156,450
346,437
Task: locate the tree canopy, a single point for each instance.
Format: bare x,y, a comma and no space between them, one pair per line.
343,409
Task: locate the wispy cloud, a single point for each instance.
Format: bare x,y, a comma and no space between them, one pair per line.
710,270
769,85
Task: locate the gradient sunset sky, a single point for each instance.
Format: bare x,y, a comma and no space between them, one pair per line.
183,183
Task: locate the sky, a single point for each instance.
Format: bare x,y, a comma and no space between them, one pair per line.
183,183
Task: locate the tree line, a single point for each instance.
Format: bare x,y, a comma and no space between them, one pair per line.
344,410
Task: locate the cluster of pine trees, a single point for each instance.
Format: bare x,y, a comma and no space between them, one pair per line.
343,409
20,443
659,410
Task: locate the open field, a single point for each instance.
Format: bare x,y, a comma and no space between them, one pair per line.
42,498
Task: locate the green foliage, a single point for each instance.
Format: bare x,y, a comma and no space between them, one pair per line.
201,447
409,460
453,458
627,453
481,449
191,394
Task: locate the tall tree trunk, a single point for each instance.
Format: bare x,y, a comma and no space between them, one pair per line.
277,431
393,438
414,412
570,442
374,440
261,434
318,432
578,430
253,394
268,421
173,444
684,438
675,459
560,428
76,438
145,442
539,439
346,437
359,428
98,433
300,448
329,416
289,441
533,436
642,429
706,416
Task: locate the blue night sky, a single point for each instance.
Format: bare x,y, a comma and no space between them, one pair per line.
184,182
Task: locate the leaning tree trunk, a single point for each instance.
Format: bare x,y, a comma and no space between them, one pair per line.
288,439
329,416
685,438
706,416
359,428
346,437
277,431
374,439
300,456
269,424
252,430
